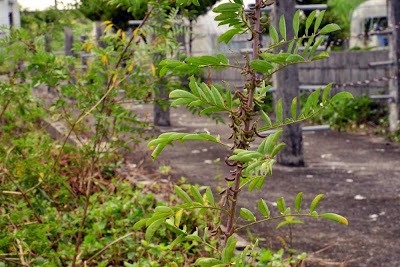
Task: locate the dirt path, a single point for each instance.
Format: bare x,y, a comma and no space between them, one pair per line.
359,175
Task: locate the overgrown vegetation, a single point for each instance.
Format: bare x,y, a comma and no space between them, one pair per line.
67,205
361,113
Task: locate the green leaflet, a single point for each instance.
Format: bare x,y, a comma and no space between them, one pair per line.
281,205
310,20
139,224
261,65
326,93
335,217
288,222
263,208
329,28
207,262
315,47
177,240
296,23
272,139
257,182
273,33
322,55
167,138
279,110
218,97
210,110
181,101
227,7
227,253
306,49
182,194
265,118
282,27
276,149
227,36
163,209
196,194
315,202
181,94
294,108
247,215
298,200
295,58
341,95
318,21
153,228
210,196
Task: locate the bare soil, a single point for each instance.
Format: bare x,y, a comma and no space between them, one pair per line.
359,176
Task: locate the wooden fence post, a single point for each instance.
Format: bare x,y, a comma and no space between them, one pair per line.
68,49
47,43
286,83
100,32
84,54
394,55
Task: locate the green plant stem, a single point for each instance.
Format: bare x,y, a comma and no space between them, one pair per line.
4,109
25,196
108,91
273,218
221,65
292,122
108,245
288,41
212,247
269,75
110,85
85,208
231,217
208,207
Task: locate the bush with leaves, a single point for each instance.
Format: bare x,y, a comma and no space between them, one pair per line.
249,167
52,193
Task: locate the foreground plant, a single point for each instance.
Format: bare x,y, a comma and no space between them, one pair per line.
249,168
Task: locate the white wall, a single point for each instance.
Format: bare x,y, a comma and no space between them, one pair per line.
7,6
4,13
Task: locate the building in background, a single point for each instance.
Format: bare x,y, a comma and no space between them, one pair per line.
9,15
370,16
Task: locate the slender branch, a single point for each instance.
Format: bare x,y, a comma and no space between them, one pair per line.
25,196
233,201
107,246
208,207
271,47
12,261
110,85
273,218
4,109
221,65
249,180
109,89
292,122
269,75
212,247
85,209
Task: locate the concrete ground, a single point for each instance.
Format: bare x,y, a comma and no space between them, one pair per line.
359,175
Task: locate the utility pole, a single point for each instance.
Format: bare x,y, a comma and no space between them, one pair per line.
394,55
286,83
55,4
